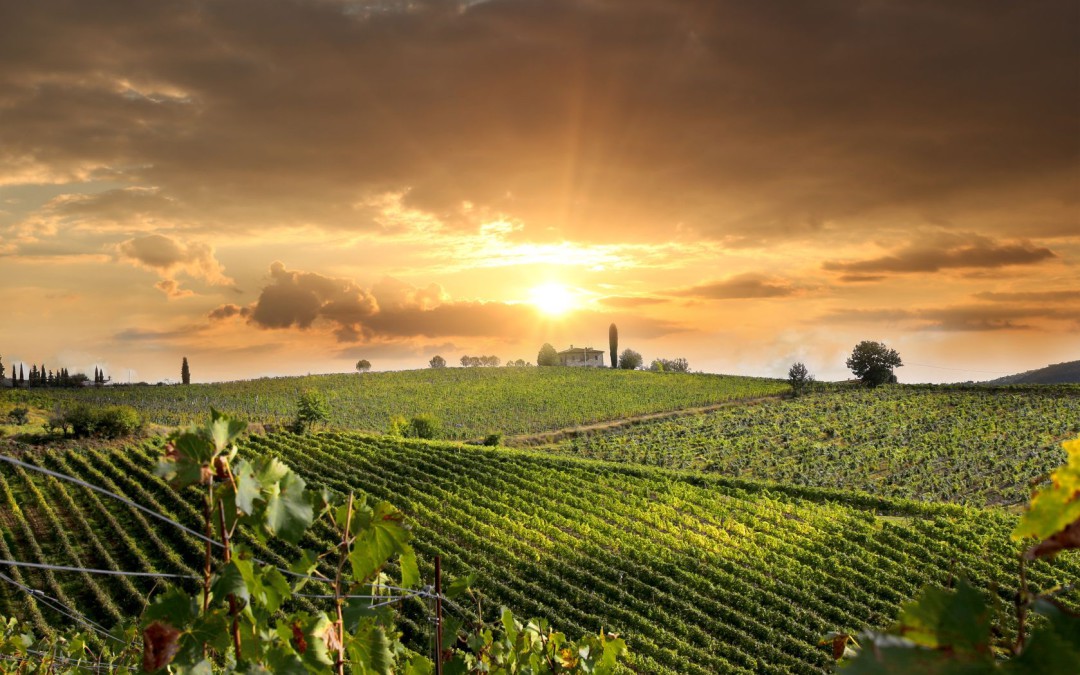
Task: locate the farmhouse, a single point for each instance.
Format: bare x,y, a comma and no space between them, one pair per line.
581,356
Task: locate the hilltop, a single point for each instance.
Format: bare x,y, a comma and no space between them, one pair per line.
1058,373
468,402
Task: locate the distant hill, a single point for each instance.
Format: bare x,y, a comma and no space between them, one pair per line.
1059,373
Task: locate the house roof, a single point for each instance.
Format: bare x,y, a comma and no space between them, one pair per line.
581,350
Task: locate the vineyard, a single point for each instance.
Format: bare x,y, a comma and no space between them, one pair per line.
976,447
700,573
470,402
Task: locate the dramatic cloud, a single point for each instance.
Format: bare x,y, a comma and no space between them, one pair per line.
390,309
168,257
944,253
660,159
735,120
743,286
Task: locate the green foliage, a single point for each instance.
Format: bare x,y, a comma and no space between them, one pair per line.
469,401
399,426
437,362
84,421
117,421
873,363
547,356
493,440
972,446
312,408
630,360
679,365
417,426
1055,510
952,631
246,616
18,415
799,378
185,372
534,647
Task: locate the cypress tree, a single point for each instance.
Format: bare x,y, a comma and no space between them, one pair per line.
2,372
22,375
613,343
185,372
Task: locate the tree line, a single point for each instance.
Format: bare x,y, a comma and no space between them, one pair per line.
42,377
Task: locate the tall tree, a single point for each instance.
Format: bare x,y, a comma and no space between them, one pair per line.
185,372
613,344
22,375
873,363
547,356
2,372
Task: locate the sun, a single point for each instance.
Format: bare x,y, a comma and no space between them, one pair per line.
552,298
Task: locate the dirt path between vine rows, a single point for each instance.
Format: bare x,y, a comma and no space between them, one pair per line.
556,435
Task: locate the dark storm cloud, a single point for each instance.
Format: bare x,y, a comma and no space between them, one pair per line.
743,286
736,119
943,253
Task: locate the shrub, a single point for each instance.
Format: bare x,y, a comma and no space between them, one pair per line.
118,421
20,415
115,421
493,440
424,426
630,360
311,409
82,420
399,426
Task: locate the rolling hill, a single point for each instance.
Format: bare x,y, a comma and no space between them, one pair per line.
1058,373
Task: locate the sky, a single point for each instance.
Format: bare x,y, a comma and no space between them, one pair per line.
272,187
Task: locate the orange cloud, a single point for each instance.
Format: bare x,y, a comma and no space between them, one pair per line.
944,252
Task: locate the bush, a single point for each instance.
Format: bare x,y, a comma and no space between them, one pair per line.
493,440
679,365
81,419
311,409
118,421
424,426
84,421
399,426
630,360
20,415
419,426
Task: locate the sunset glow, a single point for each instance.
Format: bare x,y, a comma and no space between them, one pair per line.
738,184
552,299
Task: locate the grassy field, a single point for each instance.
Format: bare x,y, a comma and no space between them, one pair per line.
470,402
701,574
979,447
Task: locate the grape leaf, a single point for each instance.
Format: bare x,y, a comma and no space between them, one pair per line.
1056,506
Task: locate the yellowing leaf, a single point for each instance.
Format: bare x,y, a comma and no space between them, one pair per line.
1056,506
